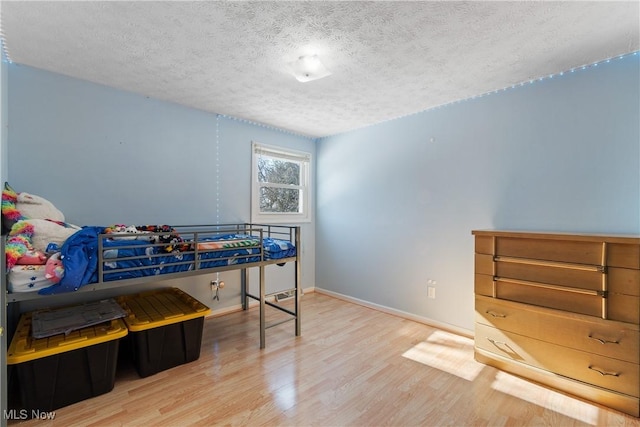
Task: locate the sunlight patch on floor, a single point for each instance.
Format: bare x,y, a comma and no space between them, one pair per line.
447,352
542,396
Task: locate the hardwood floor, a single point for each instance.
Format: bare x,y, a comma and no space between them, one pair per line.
352,366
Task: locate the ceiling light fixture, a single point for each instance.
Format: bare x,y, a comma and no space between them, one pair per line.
308,68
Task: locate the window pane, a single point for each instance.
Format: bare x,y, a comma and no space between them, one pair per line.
278,171
279,200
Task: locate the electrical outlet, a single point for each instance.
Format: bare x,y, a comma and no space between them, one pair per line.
431,289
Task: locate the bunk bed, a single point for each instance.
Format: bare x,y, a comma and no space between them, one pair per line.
99,258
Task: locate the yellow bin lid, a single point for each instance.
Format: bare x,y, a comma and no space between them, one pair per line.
160,307
24,347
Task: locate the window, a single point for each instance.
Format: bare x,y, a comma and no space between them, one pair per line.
280,185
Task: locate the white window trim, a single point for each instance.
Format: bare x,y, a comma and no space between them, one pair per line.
287,154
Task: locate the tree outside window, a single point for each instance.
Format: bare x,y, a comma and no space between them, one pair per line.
280,185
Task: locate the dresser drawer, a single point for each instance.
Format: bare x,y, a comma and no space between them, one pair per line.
606,338
624,281
621,304
484,245
623,308
613,374
556,297
623,255
553,275
484,264
570,251
483,285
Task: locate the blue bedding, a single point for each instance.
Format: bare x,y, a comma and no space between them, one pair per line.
79,255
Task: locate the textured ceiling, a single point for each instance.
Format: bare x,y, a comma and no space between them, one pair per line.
388,59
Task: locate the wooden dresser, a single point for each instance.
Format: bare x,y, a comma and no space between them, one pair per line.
562,310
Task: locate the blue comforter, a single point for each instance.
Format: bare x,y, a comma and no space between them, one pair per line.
79,255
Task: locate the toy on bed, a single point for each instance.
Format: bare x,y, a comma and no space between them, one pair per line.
149,233
169,237
54,269
34,224
126,232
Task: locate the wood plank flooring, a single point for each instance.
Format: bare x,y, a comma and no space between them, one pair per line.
352,366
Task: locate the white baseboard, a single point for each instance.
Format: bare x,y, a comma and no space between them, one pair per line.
425,320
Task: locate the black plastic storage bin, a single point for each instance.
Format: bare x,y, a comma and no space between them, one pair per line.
165,328
64,369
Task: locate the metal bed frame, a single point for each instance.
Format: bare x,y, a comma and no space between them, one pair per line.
194,234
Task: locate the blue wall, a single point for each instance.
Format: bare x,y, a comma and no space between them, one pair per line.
562,154
105,156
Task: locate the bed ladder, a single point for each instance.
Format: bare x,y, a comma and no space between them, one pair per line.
262,298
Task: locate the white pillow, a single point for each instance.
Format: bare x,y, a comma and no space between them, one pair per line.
36,207
45,232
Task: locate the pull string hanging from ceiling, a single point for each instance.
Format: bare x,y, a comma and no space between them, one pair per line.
218,169
216,289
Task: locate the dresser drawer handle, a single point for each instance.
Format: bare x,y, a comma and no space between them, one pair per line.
601,341
604,374
494,314
539,285
501,343
543,263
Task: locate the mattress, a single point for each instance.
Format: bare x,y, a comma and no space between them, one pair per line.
27,278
